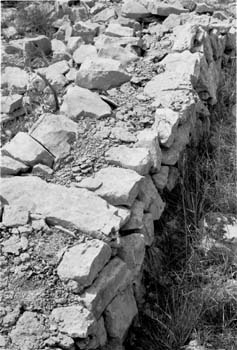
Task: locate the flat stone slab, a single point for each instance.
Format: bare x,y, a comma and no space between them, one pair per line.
79,102
56,132
69,207
15,215
83,262
10,166
28,151
84,52
101,73
113,278
137,159
75,321
119,186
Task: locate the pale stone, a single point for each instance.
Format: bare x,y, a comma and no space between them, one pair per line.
84,52
203,8
113,278
101,73
104,40
28,151
185,37
120,314
148,229
29,330
119,53
136,220
71,75
68,207
171,155
116,29
120,186
83,262
172,178
166,123
15,78
104,15
160,179
15,215
231,39
165,8
56,133
41,169
10,103
150,197
90,184
14,244
10,166
124,214
134,9
75,321
123,134
132,251
73,43
80,102
86,30
137,159
149,139
55,74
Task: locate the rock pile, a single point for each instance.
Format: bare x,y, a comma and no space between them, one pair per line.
137,78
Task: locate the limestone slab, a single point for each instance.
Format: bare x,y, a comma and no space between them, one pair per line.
10,166
119,186
83,262
69,207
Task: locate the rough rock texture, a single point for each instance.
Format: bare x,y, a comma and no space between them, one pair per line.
101,74
119,186
15,215
10,166
113,278
83,262
120,314
149,139
137,159
75,321
15,78
56,133
28,151
79,102
69,207
11,103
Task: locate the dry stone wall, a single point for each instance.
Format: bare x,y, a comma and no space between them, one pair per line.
169,71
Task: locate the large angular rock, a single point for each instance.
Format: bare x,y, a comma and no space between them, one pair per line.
69,207
185,36
134,9
104,40
117,30
119,186
135,222
166,124
28,151
132,251
10,166
101,74
80,102
29,331
73,43
150,197
75,321
113,278
34,46
95,340
148,138
120,314
171,155
56,133
84,52
148,230
15,215
137,159
15,78
55,74
11,103
165,8
104,15
83,262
